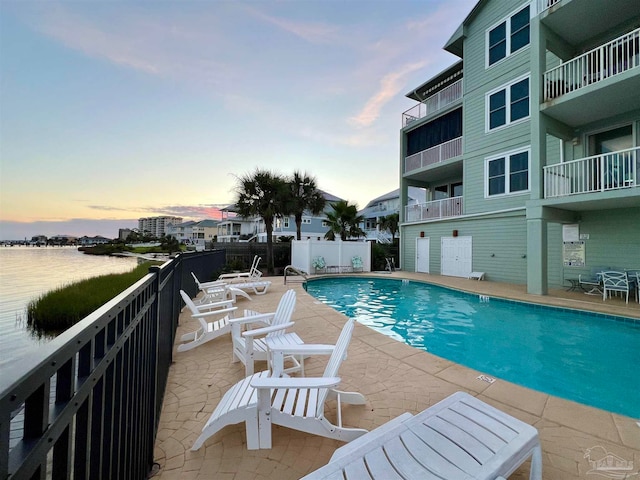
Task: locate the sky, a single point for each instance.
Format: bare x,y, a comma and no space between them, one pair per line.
115,110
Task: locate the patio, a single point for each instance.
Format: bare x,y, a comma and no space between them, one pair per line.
394,378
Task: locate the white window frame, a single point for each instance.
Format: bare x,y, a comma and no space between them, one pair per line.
306,220
507,88
325,223
507,173
285,222
507,21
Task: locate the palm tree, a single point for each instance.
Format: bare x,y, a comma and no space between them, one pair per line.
344,221
263,194
390,222
305,197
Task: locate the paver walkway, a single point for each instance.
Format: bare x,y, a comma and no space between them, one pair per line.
394,378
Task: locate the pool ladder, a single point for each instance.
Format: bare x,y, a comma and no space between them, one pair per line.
484,298
405,281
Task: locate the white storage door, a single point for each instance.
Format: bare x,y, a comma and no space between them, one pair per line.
455,258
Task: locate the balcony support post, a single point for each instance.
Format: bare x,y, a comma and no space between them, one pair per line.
536,264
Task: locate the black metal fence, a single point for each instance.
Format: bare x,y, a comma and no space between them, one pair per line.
88,405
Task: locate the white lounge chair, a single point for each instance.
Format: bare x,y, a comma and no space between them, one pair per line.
262,400
615,282
251,345
208,330
217,291
252,274
259,287
460,437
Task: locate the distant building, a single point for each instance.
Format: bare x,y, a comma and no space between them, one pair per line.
194,233
97,240
123,233
38,240
156,226
383,206
63,240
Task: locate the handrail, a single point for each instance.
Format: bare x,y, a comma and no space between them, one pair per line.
434,103
612,58
290,269
598,173
433,155
444,208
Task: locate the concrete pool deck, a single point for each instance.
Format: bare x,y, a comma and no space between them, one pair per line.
394,378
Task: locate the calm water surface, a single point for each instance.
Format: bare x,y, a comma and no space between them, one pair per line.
26,273
583,357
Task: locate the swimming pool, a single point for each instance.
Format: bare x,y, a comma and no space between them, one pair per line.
586,357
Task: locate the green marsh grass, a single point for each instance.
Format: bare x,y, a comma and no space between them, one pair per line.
63,307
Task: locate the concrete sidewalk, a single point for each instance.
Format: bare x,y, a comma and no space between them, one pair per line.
394,378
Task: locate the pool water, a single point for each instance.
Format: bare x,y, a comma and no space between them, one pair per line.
581,356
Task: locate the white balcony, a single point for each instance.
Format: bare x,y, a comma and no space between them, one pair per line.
433,155
608,60
448,207
600,173
434,103
545,4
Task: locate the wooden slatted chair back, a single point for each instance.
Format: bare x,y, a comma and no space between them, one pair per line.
284,312
188,302
338,356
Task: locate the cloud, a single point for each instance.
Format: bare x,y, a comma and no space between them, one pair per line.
390,86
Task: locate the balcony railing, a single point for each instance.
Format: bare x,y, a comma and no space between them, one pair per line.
612,58
435,102
611,171
545,4
439,153
448,207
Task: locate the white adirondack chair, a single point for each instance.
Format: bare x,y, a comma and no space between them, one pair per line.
259,287
250,344
460,437
208,330
262,400
217,291
252,274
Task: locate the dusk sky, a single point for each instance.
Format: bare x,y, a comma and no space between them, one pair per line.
115,110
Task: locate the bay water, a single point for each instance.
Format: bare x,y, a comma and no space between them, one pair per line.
26,273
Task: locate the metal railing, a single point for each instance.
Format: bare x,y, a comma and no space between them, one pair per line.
611,171
87,405
448,207
435,102
545,4
612,58
430,156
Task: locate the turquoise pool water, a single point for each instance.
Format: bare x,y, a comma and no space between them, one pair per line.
589,358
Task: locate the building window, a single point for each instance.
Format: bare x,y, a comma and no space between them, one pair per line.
508,173
325,223
508,104
285,222
306,220
508,37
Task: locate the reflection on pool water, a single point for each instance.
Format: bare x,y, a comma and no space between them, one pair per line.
580,356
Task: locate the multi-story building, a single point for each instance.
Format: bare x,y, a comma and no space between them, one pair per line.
233,228
528,146
156,226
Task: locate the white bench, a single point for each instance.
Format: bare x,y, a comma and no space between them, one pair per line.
476,276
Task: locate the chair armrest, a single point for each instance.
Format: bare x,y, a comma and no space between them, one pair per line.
295,382
259,332
214,312
304,349
212,284
260,318
221,303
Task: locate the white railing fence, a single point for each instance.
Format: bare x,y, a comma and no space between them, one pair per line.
544,4
432,104
439,153
448,207
612,58
611,171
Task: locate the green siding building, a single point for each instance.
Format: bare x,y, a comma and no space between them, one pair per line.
528,148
